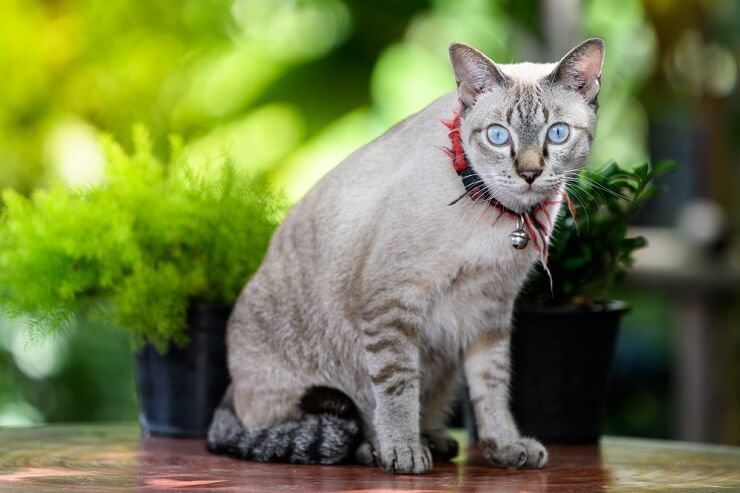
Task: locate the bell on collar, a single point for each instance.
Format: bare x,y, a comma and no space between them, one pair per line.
519,237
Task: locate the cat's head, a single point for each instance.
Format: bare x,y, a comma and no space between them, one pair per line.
527,127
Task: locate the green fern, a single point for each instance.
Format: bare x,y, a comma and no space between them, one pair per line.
139,249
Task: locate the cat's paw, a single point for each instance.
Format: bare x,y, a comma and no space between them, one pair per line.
523,452
366,455
442,446
405,457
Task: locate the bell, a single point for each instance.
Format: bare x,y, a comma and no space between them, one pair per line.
519,239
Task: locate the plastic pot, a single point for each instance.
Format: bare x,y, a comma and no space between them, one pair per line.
561,364
178,391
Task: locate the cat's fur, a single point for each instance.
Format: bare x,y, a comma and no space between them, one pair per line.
374,286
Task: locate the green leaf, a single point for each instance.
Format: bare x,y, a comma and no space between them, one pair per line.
663,167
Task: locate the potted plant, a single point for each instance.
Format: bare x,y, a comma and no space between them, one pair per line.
565,332
155,249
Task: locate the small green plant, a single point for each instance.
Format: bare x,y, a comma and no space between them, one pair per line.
591,253
137,250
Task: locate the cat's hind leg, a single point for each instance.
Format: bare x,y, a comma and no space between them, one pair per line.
323,428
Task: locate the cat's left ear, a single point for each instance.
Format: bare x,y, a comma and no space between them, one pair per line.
474,72
580,69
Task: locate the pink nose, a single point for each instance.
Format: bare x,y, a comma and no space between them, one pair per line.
529,174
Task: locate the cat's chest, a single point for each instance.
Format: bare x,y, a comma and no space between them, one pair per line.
477,288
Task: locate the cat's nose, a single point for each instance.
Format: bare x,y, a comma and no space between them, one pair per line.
529,164
529,174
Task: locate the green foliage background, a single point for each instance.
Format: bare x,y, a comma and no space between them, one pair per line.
281,89
281,86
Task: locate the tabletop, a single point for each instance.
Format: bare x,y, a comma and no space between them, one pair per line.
118,458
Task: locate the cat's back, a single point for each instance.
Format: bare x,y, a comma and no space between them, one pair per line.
369,171
417,138
345,203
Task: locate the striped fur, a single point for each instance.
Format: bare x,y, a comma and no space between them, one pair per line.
375,295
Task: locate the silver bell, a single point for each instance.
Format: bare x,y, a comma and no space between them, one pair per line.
519,237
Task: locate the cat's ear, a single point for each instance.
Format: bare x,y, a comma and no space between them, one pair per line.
580,69
474,72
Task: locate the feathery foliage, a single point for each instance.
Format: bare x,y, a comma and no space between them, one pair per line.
590,254
136,250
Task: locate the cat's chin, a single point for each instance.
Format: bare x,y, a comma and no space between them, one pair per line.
525,197
520,201
528,201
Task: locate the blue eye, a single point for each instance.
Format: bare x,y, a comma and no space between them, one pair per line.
558,133
498,135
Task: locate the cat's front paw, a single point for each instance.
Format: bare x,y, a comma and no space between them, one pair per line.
405,457
523,452
441,444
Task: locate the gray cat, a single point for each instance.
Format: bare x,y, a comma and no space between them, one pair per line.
378,286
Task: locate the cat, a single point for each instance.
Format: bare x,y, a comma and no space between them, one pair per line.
347,343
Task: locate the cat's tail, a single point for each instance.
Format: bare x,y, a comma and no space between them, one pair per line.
328,431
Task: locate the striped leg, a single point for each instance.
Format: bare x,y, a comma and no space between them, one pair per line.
392,338
487,368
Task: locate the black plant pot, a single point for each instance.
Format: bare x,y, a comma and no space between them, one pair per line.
561,363
178,391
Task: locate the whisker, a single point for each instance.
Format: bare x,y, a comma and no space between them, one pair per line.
576,192
599,186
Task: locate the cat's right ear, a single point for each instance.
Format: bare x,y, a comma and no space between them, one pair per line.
474,72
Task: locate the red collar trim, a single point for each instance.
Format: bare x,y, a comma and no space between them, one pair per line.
537,220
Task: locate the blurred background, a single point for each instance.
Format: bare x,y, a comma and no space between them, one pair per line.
287,88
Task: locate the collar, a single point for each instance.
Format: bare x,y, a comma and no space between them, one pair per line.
536,222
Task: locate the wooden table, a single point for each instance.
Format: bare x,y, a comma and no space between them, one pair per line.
117,458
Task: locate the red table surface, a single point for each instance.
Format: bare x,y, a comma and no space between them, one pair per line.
117,458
